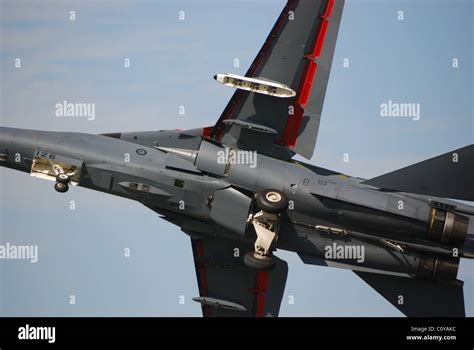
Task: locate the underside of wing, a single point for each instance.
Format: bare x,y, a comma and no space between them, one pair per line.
419,298
227,288
297,54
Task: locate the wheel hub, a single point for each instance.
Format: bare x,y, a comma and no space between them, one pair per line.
273,197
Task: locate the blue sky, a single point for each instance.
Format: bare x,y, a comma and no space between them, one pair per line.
172,65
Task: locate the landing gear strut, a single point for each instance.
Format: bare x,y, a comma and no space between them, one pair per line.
266,223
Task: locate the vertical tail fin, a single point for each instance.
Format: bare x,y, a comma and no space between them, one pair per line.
450,175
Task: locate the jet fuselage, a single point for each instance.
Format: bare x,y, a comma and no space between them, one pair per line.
131,166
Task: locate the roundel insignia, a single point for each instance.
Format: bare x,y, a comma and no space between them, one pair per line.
141,151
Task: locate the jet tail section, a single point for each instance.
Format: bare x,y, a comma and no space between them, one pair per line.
449,175
419,298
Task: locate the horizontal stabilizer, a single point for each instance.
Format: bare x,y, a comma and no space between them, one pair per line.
418,298
449,175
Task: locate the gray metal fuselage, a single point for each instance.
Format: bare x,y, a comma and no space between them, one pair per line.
130,166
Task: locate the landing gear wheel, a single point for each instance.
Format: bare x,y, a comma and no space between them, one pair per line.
272,201
63,178
258,262
61,187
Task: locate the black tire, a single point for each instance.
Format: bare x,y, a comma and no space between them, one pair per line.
61,187
63,178
251,261
272,201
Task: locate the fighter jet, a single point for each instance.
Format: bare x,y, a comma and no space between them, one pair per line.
237,191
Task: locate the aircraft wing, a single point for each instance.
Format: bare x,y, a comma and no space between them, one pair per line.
418,298
228,288
298,52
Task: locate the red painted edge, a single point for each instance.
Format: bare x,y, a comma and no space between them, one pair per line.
198,249
207,131
292,126
261,284
328,9
293,123
305,86
316,52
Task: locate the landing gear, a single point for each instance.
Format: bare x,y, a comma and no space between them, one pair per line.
61,187
63,178
259,262
272,201
267,224
62,182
